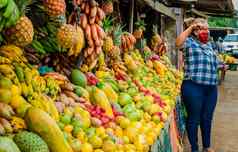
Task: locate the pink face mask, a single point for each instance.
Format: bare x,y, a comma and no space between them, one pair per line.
203,36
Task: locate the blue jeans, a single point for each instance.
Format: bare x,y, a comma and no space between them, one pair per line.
200,102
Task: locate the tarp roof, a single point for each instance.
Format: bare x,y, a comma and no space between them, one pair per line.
209,7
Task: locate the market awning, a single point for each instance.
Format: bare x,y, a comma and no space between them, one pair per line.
209,7
159,7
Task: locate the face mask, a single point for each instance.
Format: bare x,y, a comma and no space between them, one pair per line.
203,36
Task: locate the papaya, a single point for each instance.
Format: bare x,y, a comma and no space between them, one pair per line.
20,105
78,78
101,99
5,95
16,90
46,127
8,145
110,93
5,82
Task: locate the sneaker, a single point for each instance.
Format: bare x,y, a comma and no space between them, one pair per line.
208,150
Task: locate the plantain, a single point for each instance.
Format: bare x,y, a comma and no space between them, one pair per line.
6,125
12,49
6,69
6,111
28,76
25,91
4,60
2,130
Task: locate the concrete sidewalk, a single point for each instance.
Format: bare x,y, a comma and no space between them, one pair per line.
225,126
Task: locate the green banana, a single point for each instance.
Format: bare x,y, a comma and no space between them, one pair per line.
13,18
9,9
3,3
39,48
2,24
20,73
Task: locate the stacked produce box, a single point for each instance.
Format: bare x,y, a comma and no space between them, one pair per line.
73,81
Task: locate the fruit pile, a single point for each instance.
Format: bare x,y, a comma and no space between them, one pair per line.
82,87
227,59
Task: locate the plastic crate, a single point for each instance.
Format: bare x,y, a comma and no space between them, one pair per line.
233,67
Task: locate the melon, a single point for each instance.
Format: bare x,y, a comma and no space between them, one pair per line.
78,78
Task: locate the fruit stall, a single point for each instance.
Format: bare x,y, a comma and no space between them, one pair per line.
73,79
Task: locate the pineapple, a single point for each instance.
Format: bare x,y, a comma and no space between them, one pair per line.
108,44
55,7
115,53
140,28
107,7
68,36
22,33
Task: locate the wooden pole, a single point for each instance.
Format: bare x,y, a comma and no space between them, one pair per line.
132,6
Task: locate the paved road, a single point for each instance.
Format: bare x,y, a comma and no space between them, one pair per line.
225,130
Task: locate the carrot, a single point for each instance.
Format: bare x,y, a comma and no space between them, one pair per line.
92,20
100,14
87,8
128,42
93,11
84,21
100,32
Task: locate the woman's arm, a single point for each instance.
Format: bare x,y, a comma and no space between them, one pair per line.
183,36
